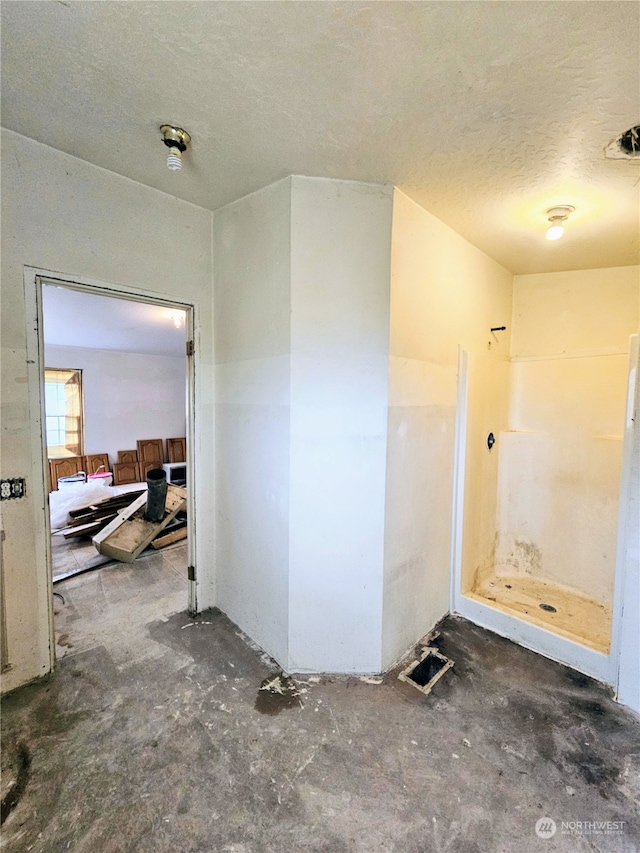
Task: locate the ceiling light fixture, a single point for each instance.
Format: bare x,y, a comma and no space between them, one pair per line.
557,216
176,139
177,317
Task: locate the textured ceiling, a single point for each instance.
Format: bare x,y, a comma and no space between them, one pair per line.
73,318
485,113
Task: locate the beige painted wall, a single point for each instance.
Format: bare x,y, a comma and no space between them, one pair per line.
575,313
63,214
444,293
488,384
560,462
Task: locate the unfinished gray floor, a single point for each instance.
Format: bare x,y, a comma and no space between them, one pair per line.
153,735
73,555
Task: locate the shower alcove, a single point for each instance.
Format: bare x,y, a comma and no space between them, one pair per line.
537,513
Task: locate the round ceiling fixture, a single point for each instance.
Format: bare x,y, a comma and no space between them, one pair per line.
176,139
557,216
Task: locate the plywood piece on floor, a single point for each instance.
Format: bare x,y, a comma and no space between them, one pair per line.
129,534
88,528
102,506
170,538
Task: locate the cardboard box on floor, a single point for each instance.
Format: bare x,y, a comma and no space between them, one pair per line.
129,534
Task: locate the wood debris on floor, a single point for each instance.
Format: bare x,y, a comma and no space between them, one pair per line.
129,533
112,512
174,532
92,518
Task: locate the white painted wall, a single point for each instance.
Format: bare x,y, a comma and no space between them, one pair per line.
325,387
252,351
340,263
63,214
444,293
561,461
628,645
127,396
301,294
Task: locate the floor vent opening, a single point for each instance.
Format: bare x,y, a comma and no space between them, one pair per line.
424,673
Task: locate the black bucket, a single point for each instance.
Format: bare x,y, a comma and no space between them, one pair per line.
156,494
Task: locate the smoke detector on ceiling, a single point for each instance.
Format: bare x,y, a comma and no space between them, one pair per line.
626,146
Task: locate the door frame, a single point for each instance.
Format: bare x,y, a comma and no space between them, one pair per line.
625,584
34,279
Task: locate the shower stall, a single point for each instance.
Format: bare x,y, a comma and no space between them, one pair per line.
541,459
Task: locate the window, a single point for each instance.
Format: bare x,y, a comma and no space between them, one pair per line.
63,410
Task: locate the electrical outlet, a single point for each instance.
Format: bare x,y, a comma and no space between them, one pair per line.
12,488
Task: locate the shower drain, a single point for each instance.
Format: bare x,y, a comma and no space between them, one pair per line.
549,608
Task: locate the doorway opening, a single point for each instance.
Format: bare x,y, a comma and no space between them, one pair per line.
117,398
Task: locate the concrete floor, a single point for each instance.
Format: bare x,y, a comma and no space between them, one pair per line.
153,735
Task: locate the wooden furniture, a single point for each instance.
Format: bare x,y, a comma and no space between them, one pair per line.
146,467
96,461
150,450
176,449
125,472
131,467
65,467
